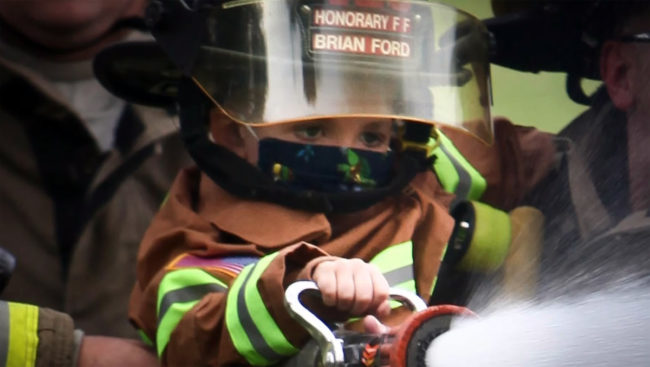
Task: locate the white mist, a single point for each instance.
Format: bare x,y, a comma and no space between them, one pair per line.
608,329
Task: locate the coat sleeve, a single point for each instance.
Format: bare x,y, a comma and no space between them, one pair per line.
512,165
203,301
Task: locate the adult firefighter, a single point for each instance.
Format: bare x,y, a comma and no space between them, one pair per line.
596,200
82,174
328,135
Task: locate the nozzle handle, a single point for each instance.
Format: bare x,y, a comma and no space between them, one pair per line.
331,347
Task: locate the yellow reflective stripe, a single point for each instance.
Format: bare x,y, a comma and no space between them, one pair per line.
178,279
183,278
449,159
145,338
167,325
23,335
490,241
178,292
394,257
396,263
237,333
254,332
445,171
263,320
164,200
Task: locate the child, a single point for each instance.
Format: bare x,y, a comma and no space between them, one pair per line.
310,123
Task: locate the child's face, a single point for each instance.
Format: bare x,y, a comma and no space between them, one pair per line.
354,132
361,133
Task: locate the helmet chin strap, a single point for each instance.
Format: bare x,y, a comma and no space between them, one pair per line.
252,132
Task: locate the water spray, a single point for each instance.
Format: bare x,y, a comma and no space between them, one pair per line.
605,329
610,328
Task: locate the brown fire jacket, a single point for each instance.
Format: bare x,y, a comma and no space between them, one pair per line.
203,227
72,215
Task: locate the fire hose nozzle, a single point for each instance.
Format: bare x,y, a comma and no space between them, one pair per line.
404,345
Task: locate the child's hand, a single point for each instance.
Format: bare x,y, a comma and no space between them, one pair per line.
353,286
373,326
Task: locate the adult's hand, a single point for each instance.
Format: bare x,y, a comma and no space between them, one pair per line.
100,351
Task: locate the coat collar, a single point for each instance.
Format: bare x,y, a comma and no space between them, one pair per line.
261,223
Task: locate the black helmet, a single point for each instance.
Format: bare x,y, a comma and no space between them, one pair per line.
556,35
281,61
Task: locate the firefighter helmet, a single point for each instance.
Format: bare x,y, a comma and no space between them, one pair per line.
282,61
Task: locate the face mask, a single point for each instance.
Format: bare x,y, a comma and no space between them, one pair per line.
324,168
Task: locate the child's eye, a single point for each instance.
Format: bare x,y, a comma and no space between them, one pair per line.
309,132
372,139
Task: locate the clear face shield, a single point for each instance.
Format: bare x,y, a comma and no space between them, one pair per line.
276,61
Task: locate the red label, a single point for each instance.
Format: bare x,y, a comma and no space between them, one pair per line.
360,44
368,27
350,19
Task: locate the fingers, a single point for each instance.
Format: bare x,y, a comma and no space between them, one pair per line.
325,277
380,305
353,286
383,310
347,290
373,326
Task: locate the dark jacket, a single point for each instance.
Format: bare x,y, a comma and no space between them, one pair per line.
72,215
592,236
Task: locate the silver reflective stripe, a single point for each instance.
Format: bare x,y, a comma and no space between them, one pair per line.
187,294
257,340
399,275
4,332
464,178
